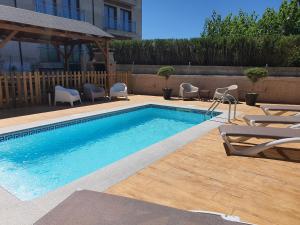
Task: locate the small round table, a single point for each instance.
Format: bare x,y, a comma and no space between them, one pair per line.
204,95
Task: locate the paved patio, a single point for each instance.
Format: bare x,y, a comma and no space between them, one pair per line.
263,189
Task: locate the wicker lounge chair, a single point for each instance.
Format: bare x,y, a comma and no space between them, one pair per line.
119,90
66,95
92,92
280,108
280,136
187,90
95,208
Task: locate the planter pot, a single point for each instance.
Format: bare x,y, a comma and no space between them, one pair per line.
251,98
167,92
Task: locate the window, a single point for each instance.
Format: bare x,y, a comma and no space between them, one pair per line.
110,14
70,9
46,6
126,20
66,8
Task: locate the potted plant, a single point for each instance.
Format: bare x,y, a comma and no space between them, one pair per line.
166,72
254,75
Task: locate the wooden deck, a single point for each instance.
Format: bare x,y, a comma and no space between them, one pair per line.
261,190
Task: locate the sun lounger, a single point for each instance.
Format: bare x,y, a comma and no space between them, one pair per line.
95,208
281,136
253,120
280,108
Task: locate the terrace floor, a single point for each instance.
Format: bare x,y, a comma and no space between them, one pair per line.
262,190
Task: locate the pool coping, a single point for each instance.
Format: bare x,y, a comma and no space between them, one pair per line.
103,178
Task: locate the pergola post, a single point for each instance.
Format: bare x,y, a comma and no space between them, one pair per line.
107,62
105,51
65,54
66,58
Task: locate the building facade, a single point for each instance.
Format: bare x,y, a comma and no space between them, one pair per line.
121,18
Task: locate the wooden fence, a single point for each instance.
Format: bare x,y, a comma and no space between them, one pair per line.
33,87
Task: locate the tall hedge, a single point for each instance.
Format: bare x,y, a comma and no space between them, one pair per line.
218,51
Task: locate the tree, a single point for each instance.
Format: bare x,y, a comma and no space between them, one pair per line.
269,23
289,17
284,22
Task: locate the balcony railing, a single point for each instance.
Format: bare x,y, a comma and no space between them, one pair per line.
131,2
113,24
48,7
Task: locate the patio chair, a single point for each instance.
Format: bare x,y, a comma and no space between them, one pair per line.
92,92
281,108
96,208
118,90
66,95
221,96
187,90
262,120
279,135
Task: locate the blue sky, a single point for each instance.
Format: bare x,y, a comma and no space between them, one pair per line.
185,18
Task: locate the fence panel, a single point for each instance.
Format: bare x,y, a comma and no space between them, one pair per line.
1,91
7,97
32,88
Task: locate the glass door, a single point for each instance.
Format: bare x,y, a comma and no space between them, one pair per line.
70,9
110,14
46,6
126,20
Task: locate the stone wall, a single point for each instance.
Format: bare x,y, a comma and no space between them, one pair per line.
273,89
209,70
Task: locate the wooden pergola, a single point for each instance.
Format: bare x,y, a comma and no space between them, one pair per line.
28,26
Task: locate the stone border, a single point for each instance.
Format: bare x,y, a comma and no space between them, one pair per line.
112,174
208,70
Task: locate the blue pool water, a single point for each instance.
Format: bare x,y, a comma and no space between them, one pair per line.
35,164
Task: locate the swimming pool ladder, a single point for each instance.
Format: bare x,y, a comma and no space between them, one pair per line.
221,96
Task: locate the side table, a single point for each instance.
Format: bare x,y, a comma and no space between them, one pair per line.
204,95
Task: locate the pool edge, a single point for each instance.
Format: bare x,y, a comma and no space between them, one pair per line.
114,173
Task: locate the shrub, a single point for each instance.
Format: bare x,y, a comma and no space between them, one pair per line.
273,50
166,71
294,57
255,74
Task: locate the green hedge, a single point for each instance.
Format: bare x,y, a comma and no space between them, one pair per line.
219,51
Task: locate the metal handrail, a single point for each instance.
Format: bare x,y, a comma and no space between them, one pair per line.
221,95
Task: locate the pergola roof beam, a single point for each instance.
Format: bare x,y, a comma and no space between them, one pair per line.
47,32
8,38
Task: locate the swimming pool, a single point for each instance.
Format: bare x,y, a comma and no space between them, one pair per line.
38,160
